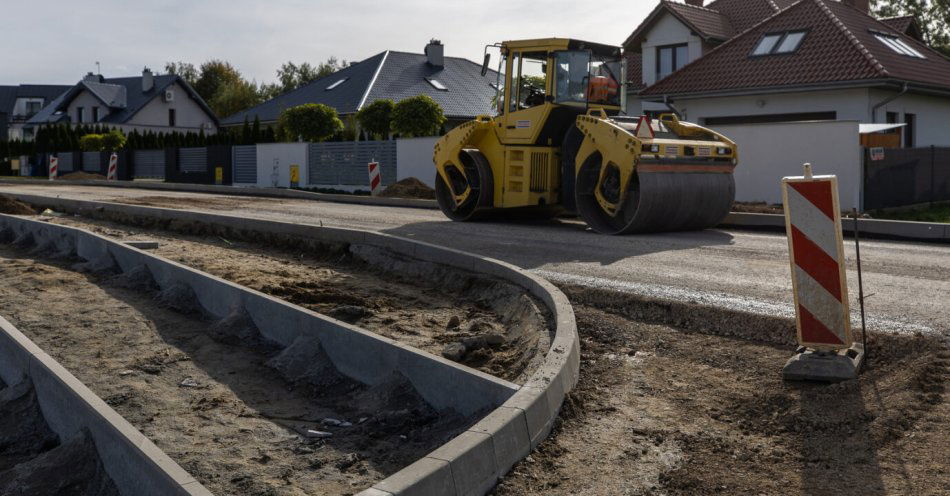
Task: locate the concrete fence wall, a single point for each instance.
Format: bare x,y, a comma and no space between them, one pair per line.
414,159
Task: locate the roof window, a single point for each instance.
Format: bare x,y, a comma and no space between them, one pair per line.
776,43
898,45
336,83
437,84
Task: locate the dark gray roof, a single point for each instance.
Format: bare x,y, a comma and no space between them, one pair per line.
123,95
388,75
9,94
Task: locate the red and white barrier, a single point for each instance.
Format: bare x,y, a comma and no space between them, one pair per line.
375,182
53,167
816,253
113,167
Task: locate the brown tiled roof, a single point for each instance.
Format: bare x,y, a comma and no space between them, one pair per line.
634,70
706,23
839,47
744,14
899,23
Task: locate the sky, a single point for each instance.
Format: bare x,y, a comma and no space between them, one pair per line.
258,36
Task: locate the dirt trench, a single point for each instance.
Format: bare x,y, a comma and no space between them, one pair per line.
662,409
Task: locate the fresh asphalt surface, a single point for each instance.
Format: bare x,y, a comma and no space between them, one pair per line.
910,282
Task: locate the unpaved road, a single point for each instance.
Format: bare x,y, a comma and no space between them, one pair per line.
725,268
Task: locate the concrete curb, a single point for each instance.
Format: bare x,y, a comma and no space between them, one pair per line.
934,232
135,464
238,191
473,462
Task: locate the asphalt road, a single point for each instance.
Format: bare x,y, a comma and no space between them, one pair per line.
910,282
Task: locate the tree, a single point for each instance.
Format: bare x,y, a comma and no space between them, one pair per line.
245,132
234,96
376,118
256,130
310,122
418,116
113,141
213,75
186,70
932,16
91,143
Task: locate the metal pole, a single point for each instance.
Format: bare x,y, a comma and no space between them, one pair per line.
857,250
933,153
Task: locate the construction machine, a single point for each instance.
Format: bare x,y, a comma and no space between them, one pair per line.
558,142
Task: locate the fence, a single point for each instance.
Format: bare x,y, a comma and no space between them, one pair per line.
906,176
244,159
91,161
148,164
344,163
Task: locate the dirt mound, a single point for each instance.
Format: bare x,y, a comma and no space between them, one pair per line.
757,208
13,206
82,176
409,187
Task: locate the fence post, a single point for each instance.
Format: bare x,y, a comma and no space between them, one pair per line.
933,159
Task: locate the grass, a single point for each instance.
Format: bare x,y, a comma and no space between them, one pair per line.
936,213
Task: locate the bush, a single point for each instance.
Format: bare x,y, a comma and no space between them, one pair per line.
310,122
376,119
113,140
418,116
91,143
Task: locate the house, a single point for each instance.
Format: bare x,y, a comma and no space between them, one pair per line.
156,103
791,81
19,103
456,84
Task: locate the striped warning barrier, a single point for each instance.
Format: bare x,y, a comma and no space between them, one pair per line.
816,254
375,183
113,167
53,167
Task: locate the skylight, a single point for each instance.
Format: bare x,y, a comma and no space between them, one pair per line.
776,43
437,84
336,83
898,45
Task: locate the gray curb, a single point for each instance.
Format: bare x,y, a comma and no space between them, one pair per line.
135,464
473,462
934,232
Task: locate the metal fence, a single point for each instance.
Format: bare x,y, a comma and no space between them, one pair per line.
149,164
91,161
193,159
906,176
344,163
65,163
244,159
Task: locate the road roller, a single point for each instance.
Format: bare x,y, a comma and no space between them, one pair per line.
559,142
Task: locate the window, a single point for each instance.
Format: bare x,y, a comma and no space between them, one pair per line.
910,119
79,115
898,45
669,59
437,84
528,78
336,83
893,117
95,114
171,117
777,43
33,107
584,77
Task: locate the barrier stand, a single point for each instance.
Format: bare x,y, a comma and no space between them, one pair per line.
375,182
827,350
53,167
113,174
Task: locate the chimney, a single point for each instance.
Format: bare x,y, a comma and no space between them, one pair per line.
91,78
695,3
862,5
148,80
435,53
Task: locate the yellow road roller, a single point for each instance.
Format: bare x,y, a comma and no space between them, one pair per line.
559,143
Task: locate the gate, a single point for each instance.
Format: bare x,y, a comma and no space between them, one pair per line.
149,164
244,159
91,161
906,176
344,163
65,161
193,159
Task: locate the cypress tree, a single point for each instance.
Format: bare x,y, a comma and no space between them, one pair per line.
256,136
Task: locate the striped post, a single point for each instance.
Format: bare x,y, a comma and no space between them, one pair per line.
375,183
113,168
53,167
816,254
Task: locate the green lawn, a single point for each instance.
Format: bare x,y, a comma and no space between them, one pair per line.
936,213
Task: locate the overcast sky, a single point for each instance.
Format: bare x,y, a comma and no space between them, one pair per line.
57,41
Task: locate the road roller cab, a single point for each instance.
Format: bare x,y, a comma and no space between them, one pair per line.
557,142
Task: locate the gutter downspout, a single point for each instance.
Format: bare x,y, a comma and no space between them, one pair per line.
885,102
668,103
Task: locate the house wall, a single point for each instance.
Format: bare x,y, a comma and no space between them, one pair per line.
86,100
850,104
19,107
189,116
933,115
274,161
768,152
667,31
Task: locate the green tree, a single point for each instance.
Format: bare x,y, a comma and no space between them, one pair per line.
256,130
234,96
246,132
212,76
113,141
91,143
418,116
186,70
376,118
310,122
932,16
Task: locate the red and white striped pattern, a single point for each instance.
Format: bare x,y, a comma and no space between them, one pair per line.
53,167
113,167
375,183
816,253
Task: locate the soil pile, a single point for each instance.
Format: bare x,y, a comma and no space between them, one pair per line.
82,176
13,206
757,208
409,187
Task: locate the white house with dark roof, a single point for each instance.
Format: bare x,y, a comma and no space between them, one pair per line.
455,83
157,103
20,103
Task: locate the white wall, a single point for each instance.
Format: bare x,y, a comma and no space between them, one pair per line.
414,159
189,116
87,101
768,152
274,161
667,31
850,104
933,115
